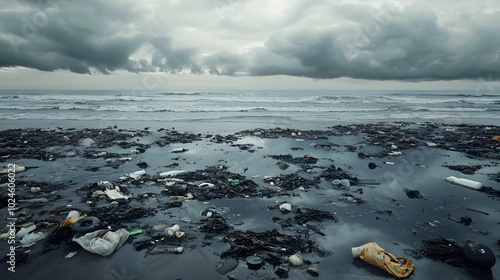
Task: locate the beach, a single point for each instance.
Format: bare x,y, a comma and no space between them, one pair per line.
400,203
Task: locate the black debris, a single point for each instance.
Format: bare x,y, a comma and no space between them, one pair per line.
291,181
413,194
307,159
275,245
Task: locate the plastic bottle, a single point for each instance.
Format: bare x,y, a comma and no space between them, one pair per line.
171,173
464,182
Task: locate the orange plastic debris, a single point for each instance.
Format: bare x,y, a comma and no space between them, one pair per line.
372,253
496,138
69,222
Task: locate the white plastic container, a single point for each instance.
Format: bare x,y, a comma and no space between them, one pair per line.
464,182
172,230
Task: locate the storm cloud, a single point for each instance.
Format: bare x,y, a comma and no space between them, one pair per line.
317,39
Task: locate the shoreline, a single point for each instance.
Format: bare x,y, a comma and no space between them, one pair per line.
375,206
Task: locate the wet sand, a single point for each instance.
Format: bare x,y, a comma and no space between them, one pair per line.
375,207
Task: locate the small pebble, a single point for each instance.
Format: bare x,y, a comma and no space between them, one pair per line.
313,271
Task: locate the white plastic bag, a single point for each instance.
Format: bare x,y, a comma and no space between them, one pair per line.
32,238
102,242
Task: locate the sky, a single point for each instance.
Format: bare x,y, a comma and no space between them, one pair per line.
250,44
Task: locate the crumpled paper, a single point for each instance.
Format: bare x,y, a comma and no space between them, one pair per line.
372,253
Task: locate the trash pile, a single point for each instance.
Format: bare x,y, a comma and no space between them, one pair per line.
217,182
32,143
303,216
213,222
291,181
270,246
307,159
278,132
173,136
470,256
336,173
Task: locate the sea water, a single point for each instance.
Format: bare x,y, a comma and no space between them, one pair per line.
293,108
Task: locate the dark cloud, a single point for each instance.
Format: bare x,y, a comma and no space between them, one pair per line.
347,40
406,45
82,37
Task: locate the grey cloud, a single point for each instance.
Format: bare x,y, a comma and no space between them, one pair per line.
225,63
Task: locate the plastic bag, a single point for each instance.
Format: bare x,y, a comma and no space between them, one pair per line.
32,238
374,254
102,242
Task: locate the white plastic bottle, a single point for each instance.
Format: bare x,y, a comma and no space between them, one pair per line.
464,182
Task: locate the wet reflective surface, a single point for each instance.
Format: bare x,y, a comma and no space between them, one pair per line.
378,210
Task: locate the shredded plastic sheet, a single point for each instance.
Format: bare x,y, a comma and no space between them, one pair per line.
113,194
372,253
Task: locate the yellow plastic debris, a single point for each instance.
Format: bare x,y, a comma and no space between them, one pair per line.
372,253
496,138
69,222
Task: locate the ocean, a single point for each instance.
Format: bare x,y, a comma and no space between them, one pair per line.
293,108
